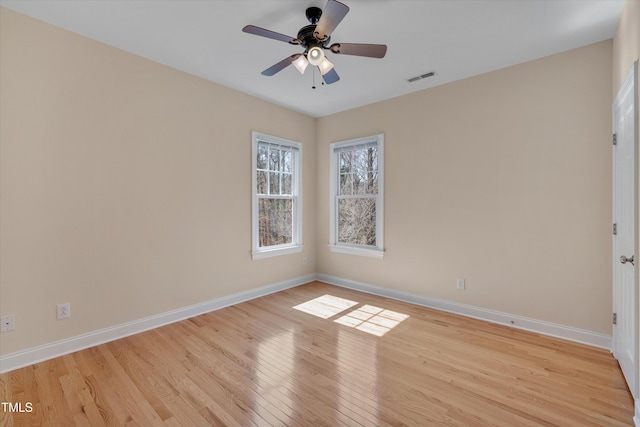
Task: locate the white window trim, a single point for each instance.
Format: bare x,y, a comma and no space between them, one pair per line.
296,245
334,245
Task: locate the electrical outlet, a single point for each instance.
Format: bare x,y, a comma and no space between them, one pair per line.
460,283
304,260
8,323
64,311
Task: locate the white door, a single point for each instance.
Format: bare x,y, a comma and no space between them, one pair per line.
625,255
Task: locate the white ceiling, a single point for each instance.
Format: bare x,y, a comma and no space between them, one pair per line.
455,38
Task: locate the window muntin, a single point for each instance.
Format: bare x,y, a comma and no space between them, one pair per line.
277,210
357,196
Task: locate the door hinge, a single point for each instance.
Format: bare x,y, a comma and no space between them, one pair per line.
615,139
615,229
615,318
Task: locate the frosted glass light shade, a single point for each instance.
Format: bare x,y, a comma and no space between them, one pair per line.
301,63
325,66
315,55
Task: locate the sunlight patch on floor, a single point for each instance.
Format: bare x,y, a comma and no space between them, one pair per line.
368,318
372,320
325,306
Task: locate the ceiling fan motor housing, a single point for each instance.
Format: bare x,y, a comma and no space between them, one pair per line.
308,39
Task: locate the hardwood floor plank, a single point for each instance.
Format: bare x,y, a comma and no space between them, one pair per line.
126,391
267,363
85,411
47,381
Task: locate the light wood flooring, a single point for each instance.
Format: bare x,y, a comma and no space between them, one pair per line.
266,363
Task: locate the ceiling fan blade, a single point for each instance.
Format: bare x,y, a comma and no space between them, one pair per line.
252,29
280,65
331,76
333,13
360,49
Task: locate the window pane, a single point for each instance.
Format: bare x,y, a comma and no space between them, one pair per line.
360,160
262,156
357,221
346,184
367,159
370,159
345,161
286,184
274,159
286,161
372,182
359,171
366,182
274,183
373,161
359,183
275,222
262,182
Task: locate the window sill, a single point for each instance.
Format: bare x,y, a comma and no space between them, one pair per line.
360,251
268,253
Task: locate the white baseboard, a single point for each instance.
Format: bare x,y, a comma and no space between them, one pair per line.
569,333
33,355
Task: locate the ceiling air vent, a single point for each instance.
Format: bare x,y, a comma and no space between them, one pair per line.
422,76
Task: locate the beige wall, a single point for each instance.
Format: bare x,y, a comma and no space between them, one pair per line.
124,185
503,179
626,43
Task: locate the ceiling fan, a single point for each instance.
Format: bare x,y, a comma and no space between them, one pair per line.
315,39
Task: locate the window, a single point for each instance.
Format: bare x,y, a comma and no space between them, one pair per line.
357,196
277,199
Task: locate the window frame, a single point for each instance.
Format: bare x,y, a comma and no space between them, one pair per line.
296,245
335,148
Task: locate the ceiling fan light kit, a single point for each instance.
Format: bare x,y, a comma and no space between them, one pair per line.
315,39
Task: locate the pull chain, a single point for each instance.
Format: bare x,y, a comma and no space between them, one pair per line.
314,78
